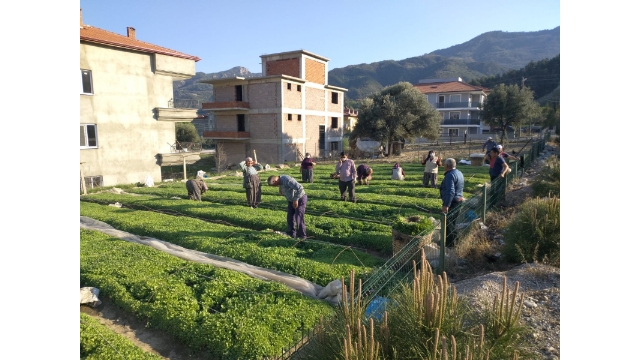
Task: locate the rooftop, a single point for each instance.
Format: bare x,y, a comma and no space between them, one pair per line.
447,85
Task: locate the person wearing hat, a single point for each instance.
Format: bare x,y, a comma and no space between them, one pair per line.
347,170
505,155
306,168
397,173
196,187
251,182
489,144
431,163
297,199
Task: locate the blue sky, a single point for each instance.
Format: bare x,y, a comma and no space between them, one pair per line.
227,33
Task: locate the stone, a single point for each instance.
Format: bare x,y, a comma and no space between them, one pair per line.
89,296
531,304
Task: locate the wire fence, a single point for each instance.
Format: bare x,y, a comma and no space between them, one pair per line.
449,227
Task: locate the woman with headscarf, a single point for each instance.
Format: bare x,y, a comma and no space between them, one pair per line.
431,163
397,173
306,168
251,183
196,187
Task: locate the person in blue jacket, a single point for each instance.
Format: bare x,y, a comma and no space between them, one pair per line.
451,194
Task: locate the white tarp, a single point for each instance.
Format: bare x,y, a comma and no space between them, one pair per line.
368,145
296,283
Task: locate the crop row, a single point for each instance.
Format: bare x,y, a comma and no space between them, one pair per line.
221,311
316,262
330,229
99,342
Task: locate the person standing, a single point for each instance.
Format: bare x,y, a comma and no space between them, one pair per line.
497,166
431,163
297,198
489,144
306,168
505,155
451,196
347,169
251,183
364,174
196,187
397,173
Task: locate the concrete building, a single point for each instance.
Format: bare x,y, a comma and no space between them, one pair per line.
350,118
459,104
127,118
288,111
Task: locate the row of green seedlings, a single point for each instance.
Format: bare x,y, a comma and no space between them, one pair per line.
318,203
222,312
99,342
341,231
320,263
424,319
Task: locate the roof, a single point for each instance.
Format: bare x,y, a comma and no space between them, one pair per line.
295,52
95,35
449,86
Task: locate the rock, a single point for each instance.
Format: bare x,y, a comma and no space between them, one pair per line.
282,166
531,304
89,296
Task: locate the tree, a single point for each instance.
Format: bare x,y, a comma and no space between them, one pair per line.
509,105
397,113
551,116
186,132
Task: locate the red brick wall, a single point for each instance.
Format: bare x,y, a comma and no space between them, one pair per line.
292,128
265,95
314,71
235,151
264,126
293,97
266,154
314,99
313,123
289,67
224,93
226,123
335,107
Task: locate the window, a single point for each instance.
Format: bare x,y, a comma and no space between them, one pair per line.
288,86
334,97
238,92
289,117
334,146
86,83
240,118
299,117
454,115
299,87
88,136
453,132
321,138
334,122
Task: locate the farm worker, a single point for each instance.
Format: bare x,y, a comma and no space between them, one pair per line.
497,166
251,183
451,196
196,187
431,163
505,155
306,168
295,195
489,144
397,173
347,169
364,174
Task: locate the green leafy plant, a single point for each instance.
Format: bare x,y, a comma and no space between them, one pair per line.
413,225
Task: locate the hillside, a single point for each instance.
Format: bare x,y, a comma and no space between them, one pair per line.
489,54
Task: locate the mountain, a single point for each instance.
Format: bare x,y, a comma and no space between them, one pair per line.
489,54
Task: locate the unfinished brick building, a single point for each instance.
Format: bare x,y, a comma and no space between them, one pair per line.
288,111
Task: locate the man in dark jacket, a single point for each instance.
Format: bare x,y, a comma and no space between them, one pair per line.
451,194
195,188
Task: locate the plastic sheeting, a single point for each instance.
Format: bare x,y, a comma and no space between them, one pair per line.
330,293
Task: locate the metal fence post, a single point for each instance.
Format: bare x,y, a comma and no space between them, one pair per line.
484,203
443,241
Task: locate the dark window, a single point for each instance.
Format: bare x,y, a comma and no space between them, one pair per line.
87,82
238,92
288,86
299,87
334,97
321,138
88,136
334,146
334,122
240,122
299,117
289,117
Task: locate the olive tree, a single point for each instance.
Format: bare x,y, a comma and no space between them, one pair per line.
509,105
398,112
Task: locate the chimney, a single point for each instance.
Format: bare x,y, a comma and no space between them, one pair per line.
131,32
81,18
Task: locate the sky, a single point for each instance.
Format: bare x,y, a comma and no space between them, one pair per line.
225,34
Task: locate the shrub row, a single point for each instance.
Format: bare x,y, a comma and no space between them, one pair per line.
319,263
221,311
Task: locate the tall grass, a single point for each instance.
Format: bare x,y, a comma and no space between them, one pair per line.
548,183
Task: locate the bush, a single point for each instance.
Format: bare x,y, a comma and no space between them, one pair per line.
534,233
186,132
413,225
548,183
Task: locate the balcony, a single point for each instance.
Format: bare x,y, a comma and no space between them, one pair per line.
475,121
459,105
227,135
226,106
175,114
